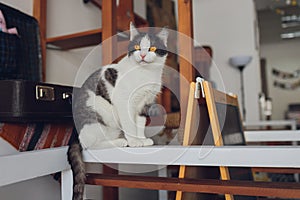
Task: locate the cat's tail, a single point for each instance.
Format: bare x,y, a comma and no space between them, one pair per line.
78,169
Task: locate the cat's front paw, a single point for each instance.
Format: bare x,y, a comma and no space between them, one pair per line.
121,142
133,142
147,142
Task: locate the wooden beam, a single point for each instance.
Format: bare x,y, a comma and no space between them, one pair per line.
249,188
210,96
189,130
40,13
76,40
109,29
276,170
110,192
125,14
185,28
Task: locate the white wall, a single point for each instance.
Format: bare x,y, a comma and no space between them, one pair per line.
66,17
229,28
24,5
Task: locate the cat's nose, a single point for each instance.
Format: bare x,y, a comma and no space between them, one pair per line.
143,56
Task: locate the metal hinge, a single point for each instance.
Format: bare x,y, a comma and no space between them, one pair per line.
199,88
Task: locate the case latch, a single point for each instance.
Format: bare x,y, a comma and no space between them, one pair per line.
44,93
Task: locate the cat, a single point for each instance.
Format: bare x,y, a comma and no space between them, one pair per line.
108,109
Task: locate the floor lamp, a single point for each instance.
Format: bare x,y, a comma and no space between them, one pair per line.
240,62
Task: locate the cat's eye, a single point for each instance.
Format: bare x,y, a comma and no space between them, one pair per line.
152,49
137,47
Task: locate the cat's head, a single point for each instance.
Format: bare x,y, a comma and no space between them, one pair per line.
145,48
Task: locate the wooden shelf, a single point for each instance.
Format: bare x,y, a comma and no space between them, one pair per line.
85,38
75,40
124,15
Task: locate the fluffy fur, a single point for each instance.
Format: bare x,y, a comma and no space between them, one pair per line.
108,109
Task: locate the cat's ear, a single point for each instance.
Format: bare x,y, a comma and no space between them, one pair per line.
163,35
133,31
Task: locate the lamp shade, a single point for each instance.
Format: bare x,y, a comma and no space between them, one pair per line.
238,61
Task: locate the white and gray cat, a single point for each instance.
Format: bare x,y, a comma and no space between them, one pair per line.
108,109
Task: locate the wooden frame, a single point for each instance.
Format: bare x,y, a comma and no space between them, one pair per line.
189,129
185,27
40,13
212,96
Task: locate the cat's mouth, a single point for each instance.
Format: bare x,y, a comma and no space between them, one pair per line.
143,62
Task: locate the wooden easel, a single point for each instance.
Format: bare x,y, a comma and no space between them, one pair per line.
211,95
190,130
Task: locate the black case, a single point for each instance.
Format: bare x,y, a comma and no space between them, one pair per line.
20,55
29,101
